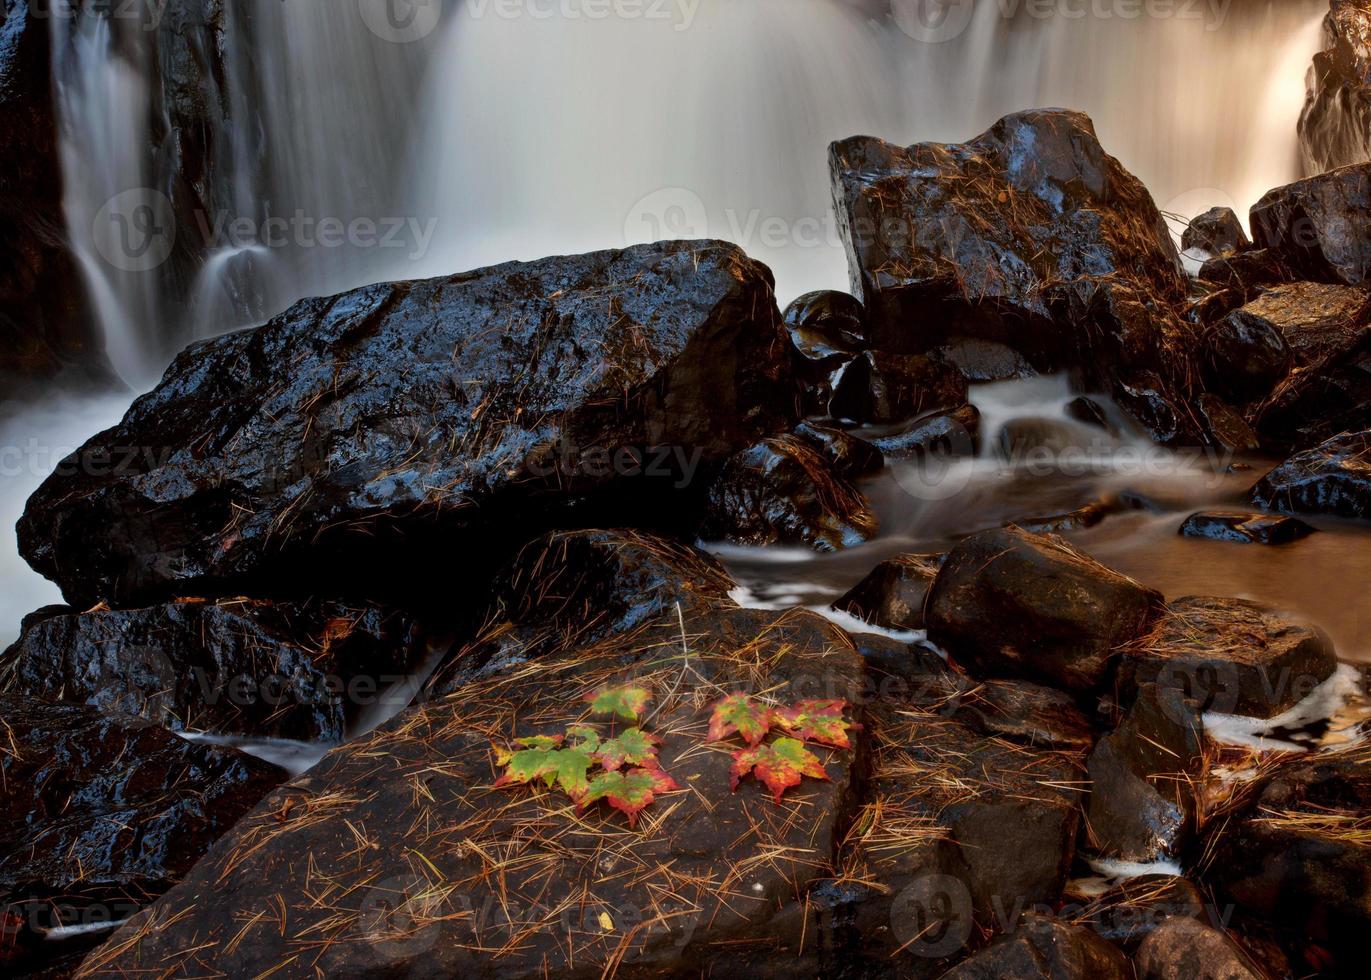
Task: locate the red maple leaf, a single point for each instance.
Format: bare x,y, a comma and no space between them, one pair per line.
740,713
779,765
817,721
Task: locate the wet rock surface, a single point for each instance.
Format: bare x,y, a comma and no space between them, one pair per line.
1323,400
1227,430
103,814
849,456
1142,804
296,670
1335,125
893,595
1296,855
1010,603
404,418
782,491
1029,235
879,388
1318,226
1232,656
1247,274
1243,528
954,434
1333,478
1183,947
1045,947
1217,232
1132,910
1315,319
1247,353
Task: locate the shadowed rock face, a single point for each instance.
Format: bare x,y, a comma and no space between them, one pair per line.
1042,946
364,434
1030,235
1335,126
1332,478
1217,232
1184,947
237,666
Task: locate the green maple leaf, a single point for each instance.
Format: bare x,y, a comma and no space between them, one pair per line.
628,792
627,702
584,737
631,747
740,713
817,721
780,765
562,768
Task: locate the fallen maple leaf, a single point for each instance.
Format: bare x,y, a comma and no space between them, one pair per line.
631,747
563,768
740,713
779,765
626,702
817,721
629,793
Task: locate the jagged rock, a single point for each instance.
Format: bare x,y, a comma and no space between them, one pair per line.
1142,807
707,871
1185,947
1296,855
783,492
1226,429
1333,478
1009,603
1217,232
297,670
1029,235
1246,274
1136,907
1335,126
1045,947
1245,354
952,434
893,594
1232,656
1315,319
1245,528
100,815
368,435
883,388
850,457
1322,400
576,588
1320,226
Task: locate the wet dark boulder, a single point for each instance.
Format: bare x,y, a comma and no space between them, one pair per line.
1233,656
893,595
953,434
100,815
1156,408
1029,235
1018,711
1216,232
368,435
1245,354
984,360
1243,528
574,589
1315,319
1089,412
1295,854
1224,427
1320,226
1332,478
1335,125
827,329
849,456
296,670
1212,306
1136,907
1323,399
1044,946
1010,603
1089,515
880,388
1185,947
781,491
1246,274
1142,806
706,872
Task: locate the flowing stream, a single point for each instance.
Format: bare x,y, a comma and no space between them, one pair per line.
497,131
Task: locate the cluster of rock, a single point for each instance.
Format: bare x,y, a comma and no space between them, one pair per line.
519,460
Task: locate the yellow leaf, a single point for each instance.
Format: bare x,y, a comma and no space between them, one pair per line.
606,923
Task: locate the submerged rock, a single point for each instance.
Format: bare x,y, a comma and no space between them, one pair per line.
100,815
1320,226
1142,806
1029,235
880,388
296,670
1010,603
1217,232
1088,411
1043,946
1232,656
368,435
781,491
1333,478
1245,528
1296,854
893,595
1185,947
